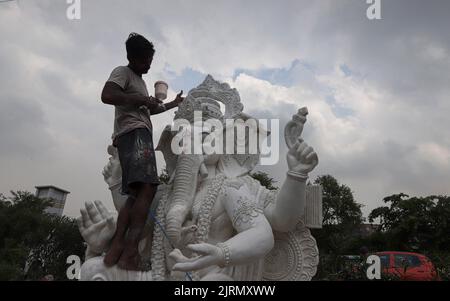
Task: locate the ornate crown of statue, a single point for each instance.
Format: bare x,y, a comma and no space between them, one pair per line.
206,98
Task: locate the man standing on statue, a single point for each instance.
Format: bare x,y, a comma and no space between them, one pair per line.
127,91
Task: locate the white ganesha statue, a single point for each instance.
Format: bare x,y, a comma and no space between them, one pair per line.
212,220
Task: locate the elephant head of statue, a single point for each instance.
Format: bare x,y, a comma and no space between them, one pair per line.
199,121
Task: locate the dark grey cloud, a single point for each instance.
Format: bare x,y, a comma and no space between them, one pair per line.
386,132
399,52
22,127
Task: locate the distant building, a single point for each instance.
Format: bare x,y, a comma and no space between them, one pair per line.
57,195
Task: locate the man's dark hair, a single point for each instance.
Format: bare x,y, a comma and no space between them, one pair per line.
138,46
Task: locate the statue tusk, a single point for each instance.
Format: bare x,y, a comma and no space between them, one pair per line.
203,171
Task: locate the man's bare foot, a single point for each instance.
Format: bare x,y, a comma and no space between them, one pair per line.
114,253
130,260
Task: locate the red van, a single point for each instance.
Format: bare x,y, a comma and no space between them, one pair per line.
408,266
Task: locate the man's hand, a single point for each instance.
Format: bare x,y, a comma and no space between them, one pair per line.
179,99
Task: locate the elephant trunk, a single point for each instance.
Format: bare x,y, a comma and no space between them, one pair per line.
183,192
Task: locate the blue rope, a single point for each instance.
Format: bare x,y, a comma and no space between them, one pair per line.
188,275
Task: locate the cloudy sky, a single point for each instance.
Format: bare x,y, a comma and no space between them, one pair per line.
377,91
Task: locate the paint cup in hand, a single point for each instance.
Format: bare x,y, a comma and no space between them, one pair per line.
161,90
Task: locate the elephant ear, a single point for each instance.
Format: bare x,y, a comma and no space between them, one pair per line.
164,146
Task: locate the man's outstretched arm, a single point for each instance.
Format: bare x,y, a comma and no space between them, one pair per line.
113,94
170,105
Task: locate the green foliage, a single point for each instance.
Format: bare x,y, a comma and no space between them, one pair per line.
341,217
341,268
415,223
264,179
50,256
339,206
29,235
441,261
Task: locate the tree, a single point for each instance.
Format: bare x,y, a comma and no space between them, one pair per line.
339,206
50,256
341,217
415,223
420,224
29,235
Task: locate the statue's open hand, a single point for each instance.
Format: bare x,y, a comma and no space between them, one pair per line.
209,255
302,158
97,226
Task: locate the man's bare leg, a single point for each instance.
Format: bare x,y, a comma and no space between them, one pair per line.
129,260
118,241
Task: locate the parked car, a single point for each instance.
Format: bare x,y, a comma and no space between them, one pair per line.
407,266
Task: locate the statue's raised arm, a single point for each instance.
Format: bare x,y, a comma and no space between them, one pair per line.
289,208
